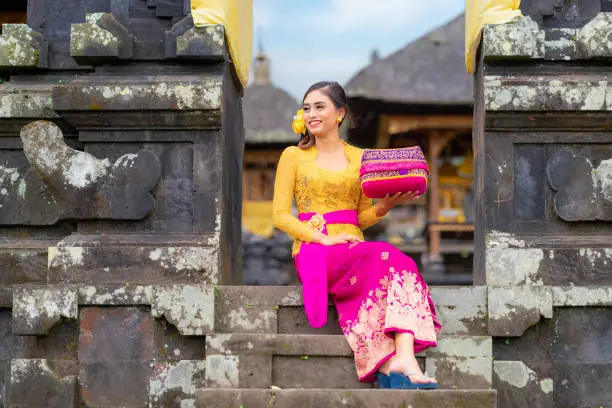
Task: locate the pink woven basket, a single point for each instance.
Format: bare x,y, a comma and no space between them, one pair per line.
392,171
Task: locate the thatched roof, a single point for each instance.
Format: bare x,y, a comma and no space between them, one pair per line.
428,71
268,110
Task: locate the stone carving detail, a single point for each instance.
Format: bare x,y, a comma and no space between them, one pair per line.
190,308
74,184
186,41
513,309
22,47
583,192
101,39
525,39
36,310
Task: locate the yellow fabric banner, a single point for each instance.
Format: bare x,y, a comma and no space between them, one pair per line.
237,18
257,217
479,13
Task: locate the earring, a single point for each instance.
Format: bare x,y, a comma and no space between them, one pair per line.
338,119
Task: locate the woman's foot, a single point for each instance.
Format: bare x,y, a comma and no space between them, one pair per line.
405,365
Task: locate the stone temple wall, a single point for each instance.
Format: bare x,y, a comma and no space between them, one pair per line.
544,202
121,146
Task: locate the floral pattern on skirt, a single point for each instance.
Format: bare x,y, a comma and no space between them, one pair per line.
379,292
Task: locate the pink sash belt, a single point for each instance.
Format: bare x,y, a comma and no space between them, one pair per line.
311,264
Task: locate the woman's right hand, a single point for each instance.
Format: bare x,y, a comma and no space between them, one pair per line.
342,238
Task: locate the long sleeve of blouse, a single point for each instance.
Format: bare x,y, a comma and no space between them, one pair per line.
284,190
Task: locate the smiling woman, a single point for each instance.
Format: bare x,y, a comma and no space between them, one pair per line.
384,305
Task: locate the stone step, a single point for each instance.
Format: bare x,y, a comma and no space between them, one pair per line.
332,398
297,361
279,310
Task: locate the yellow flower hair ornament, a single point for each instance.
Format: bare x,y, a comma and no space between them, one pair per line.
298,124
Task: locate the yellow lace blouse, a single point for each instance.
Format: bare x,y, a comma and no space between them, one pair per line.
318,190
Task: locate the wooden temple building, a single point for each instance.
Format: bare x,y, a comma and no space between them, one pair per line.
421,95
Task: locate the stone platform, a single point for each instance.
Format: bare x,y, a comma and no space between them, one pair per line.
330,398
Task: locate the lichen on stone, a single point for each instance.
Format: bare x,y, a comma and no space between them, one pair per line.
87,37
36,310
190,308
519,38
19,46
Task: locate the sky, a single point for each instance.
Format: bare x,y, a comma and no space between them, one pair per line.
313,40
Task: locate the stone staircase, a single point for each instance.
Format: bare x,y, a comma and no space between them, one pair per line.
264,354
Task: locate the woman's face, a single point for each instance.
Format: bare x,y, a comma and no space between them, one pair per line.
320,113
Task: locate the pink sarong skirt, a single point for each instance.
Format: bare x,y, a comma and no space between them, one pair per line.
377,291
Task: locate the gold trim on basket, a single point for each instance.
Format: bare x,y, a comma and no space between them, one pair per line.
317,222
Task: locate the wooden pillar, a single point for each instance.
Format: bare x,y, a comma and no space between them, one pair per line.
383,137
437,141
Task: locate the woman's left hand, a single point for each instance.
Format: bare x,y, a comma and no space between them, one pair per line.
391,201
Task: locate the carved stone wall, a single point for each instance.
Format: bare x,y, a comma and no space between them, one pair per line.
543,147
121,145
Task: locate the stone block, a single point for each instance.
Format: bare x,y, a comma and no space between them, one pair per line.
582,192
593,40
462,311
158,94
546,93
115,295
246,319
566,266
37,309
582,384
582,334
344,398
293,320
20,266
175,384
115,259
101,39
582,296
115,383
514,266
38,383
22,48
190,308
307,372
85,187
519,386
514,309
222,371
461,362
185,41
170,345
118,333
29,101
521,38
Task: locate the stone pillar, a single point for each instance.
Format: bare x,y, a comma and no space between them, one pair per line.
121,147
544,202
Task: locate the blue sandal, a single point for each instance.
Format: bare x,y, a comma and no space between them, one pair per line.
383,380
402,381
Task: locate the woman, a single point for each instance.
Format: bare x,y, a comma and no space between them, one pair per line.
383,304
